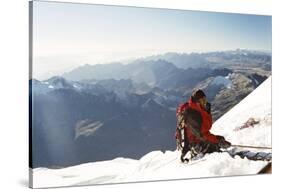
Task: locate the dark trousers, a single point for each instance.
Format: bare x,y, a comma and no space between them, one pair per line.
185,149
204,148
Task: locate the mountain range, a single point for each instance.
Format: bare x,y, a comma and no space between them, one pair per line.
77,117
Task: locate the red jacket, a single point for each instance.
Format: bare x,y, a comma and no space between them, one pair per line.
206,124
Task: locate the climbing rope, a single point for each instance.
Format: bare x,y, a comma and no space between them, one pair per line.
245,146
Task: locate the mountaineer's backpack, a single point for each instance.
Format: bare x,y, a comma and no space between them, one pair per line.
180,136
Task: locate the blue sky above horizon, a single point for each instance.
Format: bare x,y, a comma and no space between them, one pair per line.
99,33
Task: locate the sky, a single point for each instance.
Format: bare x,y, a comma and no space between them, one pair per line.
66,35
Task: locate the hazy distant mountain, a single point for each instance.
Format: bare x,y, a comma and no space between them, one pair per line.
158,73
219,59
154,69
181,60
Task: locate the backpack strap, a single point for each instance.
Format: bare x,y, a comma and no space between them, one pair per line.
181,115
181,124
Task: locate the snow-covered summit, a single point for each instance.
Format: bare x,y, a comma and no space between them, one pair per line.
58,82
159,165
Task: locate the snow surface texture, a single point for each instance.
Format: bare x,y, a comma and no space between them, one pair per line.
157,165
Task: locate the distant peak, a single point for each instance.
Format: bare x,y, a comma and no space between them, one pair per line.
56,78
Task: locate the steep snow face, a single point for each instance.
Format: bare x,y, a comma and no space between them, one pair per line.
234,125
157,165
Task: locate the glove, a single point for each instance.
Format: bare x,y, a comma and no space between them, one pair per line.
223,143
220,138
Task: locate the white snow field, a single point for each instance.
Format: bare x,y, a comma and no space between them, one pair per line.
157,165
256,106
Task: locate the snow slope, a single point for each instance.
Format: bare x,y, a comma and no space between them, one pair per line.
256,105
157,165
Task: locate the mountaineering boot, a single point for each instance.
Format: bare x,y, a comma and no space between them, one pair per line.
184,160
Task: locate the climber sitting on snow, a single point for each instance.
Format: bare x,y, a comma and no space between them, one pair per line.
194,125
